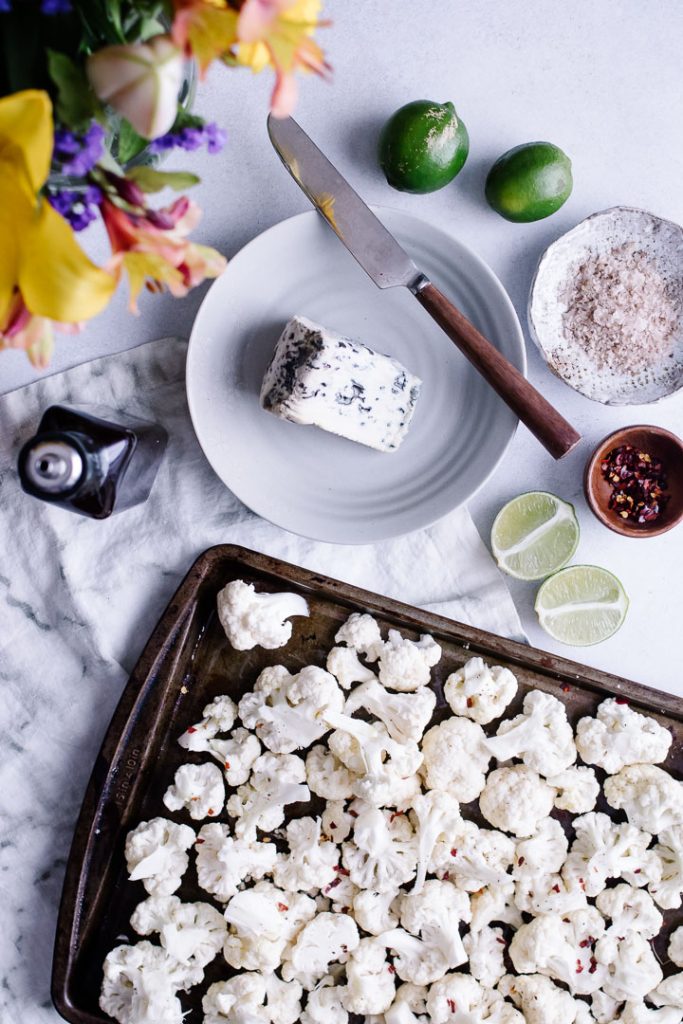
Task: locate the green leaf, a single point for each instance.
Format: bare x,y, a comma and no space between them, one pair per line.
128,143
76,102
184,119
151,180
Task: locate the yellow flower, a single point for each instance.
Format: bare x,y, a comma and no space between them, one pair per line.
40,259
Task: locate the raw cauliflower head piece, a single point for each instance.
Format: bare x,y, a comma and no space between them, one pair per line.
539,998
485,951
639,1013
669,992
347,668
337,821
288,712
324,1004
257,935
327,776
327,939
404,664
474,857
455,758
405,715
385,768
630,910
257,620
376,912
191,933
416,960
480,691
630,966
667,888
435,914
435,816
251,998
361,632
461,996
312,862
218,716
516,799
675,947
236,755
577,789
652,799
543,853
605,849
370,987
140,984
224,863
562,947
494,903
548,894
541,736
276,780
155,854
198,789
409,1005
619,736
383,852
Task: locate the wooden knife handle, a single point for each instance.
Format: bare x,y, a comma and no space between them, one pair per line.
552,430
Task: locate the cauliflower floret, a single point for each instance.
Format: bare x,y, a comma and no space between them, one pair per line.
675,947
337,821
311,863
385,768
218,716
406,715
257,620
324,1004
577,789
473,857
605,849
435,914
435,815
669,992
409,1005
539,998
383,853
416,960
562,948
140,984
405,664
460,996
155,854
494,903
376,912
370,986
192,933
604,1008
516,799
619,736
639,1013
541,736
327,776
287,712
630,910
262,921
224,863
236,754
327,939
276,780
667,886
548,894
542,853
252,998
652,799
629,965
197,788
485,951
347,668
455,758
341,891
361,632
480,691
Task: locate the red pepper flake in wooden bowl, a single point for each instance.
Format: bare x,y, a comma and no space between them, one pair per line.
638,482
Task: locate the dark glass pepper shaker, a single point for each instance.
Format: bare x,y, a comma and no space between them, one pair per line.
81,460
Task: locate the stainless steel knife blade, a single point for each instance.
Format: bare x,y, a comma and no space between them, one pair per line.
363,234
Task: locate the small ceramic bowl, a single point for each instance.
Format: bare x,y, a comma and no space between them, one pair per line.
655,441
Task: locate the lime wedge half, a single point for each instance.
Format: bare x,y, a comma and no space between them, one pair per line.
581,605
534,535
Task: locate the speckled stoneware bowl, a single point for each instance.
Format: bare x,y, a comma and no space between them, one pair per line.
662,243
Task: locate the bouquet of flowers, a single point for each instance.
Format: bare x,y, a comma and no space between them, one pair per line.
91,89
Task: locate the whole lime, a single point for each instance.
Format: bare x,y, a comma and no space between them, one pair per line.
529,182
423,146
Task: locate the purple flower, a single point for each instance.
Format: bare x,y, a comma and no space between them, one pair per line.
190,138
77,154
79,207
56,7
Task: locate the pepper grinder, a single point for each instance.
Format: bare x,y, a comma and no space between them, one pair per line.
82,460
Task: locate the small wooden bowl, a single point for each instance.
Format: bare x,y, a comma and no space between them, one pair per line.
655,441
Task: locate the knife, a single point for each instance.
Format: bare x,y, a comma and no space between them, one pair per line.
389,266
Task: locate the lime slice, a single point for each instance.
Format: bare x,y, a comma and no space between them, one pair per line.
534,535
581,605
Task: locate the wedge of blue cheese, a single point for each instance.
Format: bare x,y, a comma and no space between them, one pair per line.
323,379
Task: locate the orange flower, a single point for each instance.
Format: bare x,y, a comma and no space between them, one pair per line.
154,250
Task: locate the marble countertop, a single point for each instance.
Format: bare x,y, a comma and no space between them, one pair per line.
600,80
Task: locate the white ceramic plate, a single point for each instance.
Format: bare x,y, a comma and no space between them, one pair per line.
302,478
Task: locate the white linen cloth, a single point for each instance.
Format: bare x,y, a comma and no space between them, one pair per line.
79,598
